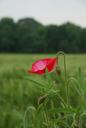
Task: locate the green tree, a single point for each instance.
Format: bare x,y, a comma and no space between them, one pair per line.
7,32
69,37
29,36
28,31
82,44
52,38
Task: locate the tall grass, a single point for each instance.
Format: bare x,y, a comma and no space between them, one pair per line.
24,105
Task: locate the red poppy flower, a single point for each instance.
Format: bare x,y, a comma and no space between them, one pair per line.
40,66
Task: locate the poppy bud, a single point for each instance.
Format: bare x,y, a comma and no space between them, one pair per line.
58,71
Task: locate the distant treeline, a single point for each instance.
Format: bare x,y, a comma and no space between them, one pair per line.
29,36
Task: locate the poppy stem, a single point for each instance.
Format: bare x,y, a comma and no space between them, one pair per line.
65,73
62,53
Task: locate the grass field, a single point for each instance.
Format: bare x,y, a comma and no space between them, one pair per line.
16,94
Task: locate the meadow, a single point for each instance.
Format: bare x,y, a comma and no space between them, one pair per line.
18,93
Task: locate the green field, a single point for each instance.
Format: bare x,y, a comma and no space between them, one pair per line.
8,62
17,93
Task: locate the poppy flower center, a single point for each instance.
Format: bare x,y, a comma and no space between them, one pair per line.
40,65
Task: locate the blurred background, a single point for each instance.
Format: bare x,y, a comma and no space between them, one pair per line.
42,26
